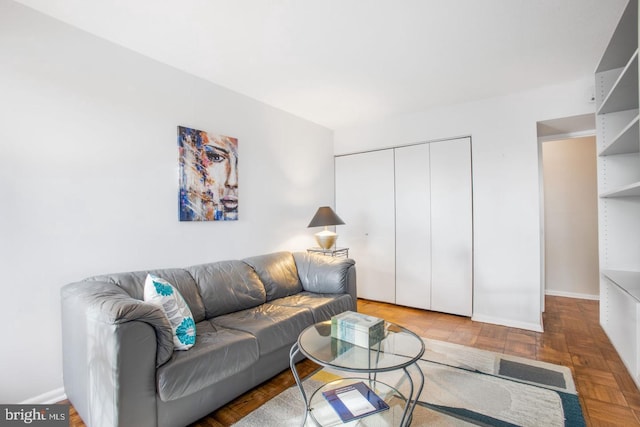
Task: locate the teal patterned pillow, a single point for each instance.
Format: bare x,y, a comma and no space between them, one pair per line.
159,292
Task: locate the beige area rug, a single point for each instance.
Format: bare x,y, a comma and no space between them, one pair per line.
463,386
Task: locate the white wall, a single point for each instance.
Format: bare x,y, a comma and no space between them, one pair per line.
507,274
571,217
88,179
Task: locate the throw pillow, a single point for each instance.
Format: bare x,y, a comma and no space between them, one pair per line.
159,292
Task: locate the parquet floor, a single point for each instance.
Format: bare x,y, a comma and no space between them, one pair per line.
572,337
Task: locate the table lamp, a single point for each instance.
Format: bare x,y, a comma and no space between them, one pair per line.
324,217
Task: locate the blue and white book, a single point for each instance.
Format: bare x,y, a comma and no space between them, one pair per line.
354,401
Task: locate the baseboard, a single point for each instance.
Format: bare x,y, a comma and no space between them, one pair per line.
53,396
571,295
536,327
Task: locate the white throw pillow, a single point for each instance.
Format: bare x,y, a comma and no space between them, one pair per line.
159,292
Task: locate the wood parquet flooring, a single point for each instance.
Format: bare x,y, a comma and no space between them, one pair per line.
573,337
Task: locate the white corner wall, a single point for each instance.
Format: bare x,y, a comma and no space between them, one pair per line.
506,192
89,184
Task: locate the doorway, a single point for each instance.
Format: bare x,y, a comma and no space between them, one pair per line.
571,217
569,207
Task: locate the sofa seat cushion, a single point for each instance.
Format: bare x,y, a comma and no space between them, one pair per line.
321,306
273,326
217,354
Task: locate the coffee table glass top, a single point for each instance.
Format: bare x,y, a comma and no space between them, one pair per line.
399,348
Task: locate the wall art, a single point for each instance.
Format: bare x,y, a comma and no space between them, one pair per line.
208,176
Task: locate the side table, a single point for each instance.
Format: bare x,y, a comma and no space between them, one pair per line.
335,252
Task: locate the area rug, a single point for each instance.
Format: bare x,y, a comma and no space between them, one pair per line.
463,386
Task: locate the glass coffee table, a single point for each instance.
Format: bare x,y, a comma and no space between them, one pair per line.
399,350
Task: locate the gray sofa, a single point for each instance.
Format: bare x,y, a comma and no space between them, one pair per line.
120,368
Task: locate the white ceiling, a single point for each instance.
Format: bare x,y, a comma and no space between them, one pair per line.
340,62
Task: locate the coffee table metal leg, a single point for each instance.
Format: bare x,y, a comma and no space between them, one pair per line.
292,355
412,399
374,376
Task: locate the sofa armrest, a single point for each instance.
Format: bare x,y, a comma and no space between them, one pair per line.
107,303
327,275
111,345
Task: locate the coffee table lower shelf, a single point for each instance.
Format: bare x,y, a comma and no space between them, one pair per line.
323,414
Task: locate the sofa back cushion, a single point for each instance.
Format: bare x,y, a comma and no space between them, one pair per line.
133,284
278,272
227,286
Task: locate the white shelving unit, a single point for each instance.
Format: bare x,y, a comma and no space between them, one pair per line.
618,138
626,142
631,190
624,90
628,281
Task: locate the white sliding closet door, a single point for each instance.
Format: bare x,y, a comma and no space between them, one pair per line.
451,227
413,226
365,202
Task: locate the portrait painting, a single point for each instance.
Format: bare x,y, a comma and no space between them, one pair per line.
208,167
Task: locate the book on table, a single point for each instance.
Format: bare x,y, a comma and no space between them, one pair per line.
354,401
357,328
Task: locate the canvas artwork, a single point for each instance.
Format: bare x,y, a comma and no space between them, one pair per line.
208,176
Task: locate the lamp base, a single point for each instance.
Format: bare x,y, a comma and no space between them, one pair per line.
326,239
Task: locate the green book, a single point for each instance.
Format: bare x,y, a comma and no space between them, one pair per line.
357,328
